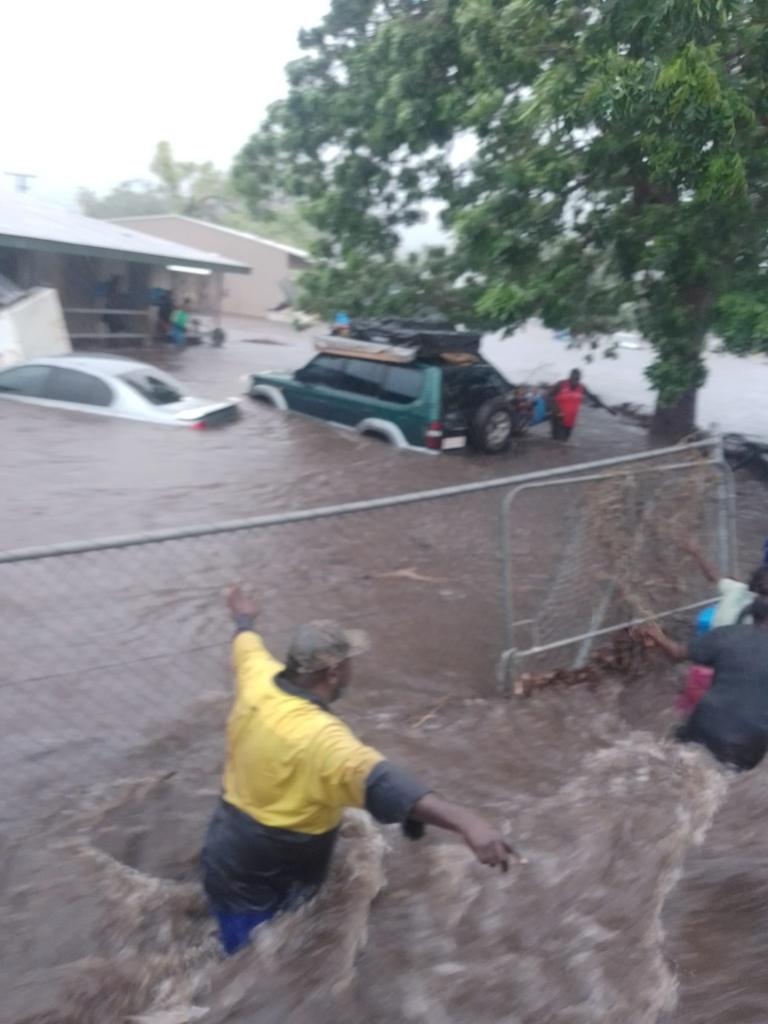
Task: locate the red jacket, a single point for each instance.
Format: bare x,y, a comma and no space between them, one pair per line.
568,401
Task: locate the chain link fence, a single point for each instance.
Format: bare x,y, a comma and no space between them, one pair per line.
111,644
614,545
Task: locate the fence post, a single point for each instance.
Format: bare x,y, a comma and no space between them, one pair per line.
506,671
726,554
506,664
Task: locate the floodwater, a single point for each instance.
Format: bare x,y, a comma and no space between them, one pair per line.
645,895
729,402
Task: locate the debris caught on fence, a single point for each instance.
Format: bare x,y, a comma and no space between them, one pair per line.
625,655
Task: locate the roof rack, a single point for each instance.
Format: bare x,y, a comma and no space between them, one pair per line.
396,340
381,352
428,338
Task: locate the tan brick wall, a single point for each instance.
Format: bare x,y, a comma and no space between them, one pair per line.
244,294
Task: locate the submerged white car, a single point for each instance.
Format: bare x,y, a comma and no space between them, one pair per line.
112,386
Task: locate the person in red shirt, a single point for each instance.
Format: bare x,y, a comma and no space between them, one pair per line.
567,397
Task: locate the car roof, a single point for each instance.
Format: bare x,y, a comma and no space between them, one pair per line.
108,365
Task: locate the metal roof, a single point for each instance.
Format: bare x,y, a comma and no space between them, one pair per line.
300,253
28,224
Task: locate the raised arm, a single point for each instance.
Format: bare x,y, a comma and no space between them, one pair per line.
243,609
593,399
349,774
652,633
691,548
253,663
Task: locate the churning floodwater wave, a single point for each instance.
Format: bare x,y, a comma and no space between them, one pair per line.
403,931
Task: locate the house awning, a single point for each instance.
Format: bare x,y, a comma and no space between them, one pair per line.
28,224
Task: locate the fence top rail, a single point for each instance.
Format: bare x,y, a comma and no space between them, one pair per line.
102,310
589,478
570,641
348,508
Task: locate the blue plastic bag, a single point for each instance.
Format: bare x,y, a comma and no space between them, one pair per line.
704,619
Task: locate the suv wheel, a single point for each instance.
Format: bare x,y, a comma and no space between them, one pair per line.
493,425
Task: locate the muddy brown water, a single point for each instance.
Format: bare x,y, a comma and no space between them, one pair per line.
646,893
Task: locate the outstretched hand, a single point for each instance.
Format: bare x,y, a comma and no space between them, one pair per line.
488,844
239,603
650,633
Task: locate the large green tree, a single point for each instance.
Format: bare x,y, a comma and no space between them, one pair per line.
615,159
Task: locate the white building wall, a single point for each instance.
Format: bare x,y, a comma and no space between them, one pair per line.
33,327
243,294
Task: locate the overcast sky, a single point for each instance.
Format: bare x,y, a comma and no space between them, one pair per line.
89,87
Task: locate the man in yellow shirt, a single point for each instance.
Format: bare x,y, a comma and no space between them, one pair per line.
291,769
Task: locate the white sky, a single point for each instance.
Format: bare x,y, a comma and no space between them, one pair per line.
89,87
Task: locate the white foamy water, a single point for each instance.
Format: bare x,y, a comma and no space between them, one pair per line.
402,932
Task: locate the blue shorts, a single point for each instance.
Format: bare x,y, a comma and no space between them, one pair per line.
235,929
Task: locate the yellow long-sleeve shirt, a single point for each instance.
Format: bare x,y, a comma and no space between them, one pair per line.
290,764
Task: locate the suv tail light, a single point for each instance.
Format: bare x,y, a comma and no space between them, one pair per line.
433,435
199,425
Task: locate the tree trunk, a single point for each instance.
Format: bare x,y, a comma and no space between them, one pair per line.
673,423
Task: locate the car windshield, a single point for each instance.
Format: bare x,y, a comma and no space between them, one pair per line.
156,389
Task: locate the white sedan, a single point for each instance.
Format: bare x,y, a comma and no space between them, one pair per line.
112,386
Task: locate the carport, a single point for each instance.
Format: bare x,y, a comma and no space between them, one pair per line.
107,275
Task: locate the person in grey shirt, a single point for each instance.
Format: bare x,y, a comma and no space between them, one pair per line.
735,597
731,719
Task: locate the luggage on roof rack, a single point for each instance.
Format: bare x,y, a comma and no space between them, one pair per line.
340,345
426,337
410,323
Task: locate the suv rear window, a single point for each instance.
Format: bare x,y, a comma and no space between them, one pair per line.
402,384
156,389
467,387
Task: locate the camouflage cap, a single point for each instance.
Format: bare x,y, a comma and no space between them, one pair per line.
323,645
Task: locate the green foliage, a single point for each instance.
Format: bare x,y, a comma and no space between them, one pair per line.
198,190
423,284
128,199
281,222
742,319
617,159
171,172
179,186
